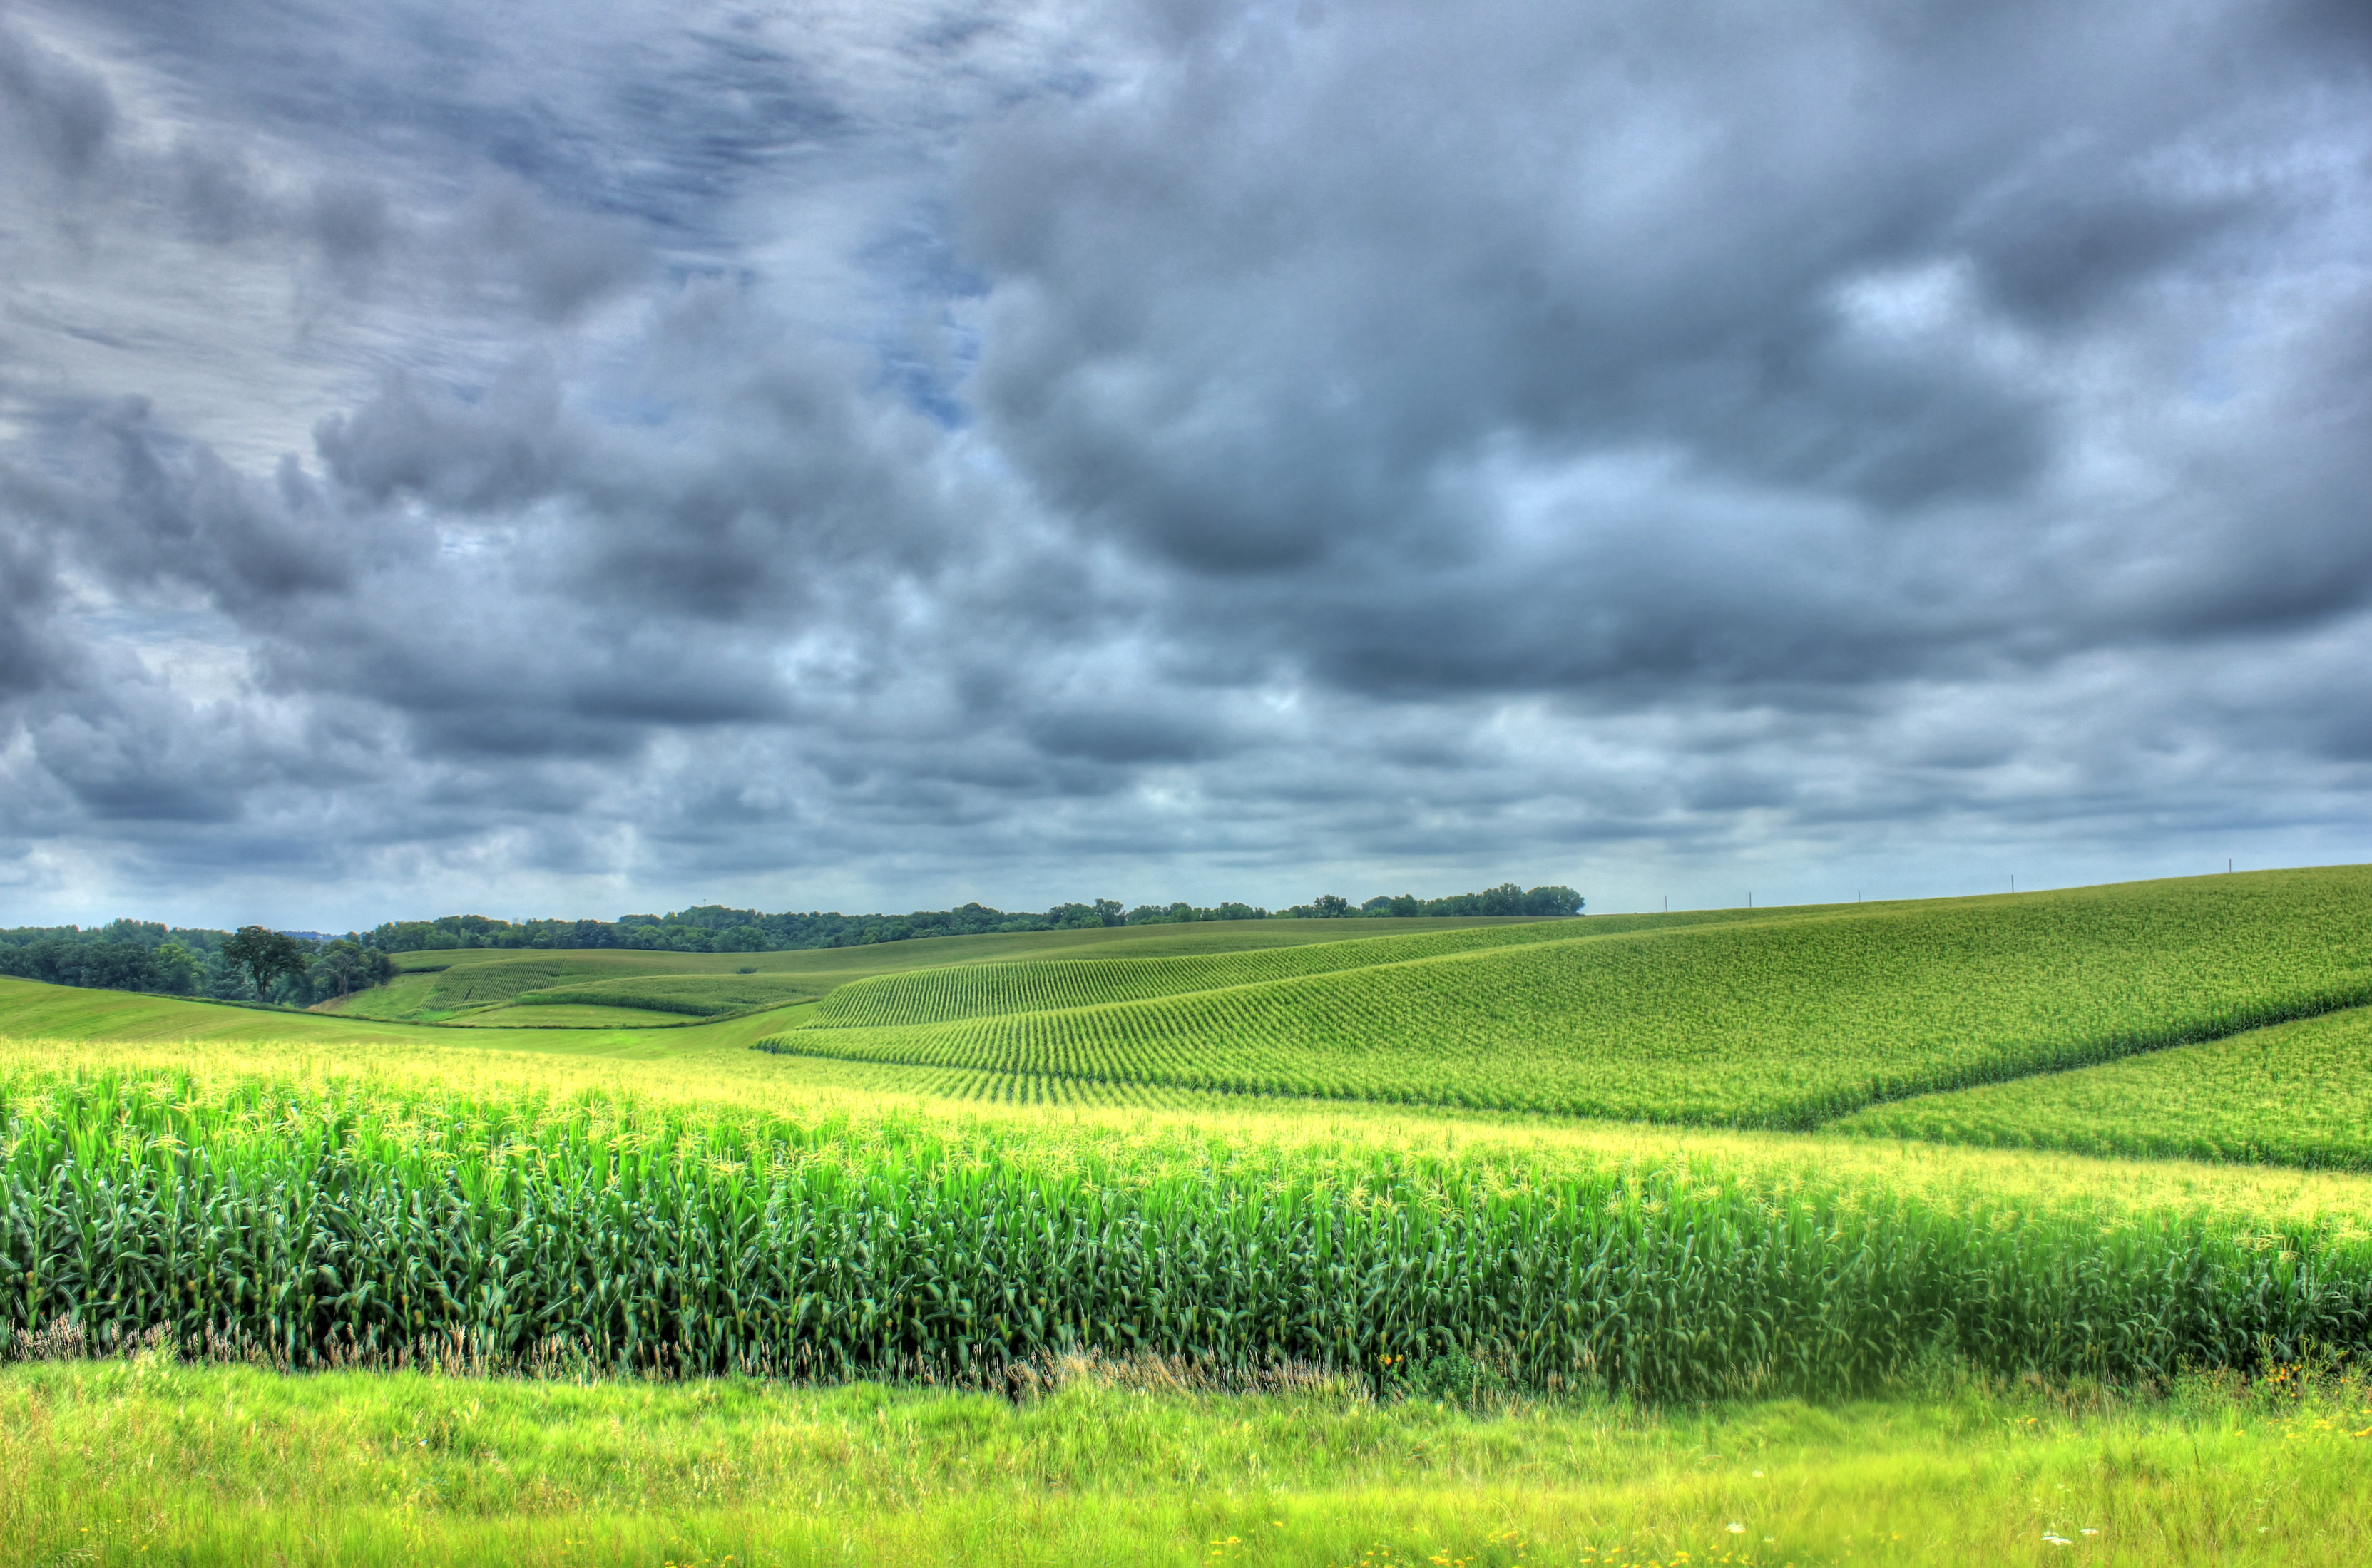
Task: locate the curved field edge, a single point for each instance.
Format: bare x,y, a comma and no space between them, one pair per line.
2296,1094
974,991
986,988
60,1014
702,995
1784,1024
980,990
434,986
316,1222
932,952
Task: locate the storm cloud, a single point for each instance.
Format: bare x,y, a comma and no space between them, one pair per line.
540,462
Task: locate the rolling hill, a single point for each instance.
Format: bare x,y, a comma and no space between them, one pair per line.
1781,1022
1784,1019
458,985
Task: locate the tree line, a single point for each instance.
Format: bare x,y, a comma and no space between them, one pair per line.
715,928
251,965
257,965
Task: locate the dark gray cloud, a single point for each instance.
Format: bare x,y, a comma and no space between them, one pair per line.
58,116
547,460
1869,298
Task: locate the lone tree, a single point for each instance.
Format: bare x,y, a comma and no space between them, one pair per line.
265,955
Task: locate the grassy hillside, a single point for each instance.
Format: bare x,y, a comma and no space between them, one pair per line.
32,1011
1779,1023
457,986
2296,1094
701,995
985,989
842,964
1776,1018
400,999
440,995
530,1015
976,991
466,986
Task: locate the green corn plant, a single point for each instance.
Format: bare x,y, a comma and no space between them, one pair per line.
318,1223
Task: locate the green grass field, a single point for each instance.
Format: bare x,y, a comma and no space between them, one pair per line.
993,990
836,965
481,990
146,1461
32,1011
1329,1161
468,984
692,995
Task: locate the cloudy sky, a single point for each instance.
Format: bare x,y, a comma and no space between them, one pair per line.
540,458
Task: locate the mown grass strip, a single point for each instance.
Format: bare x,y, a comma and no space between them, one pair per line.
705,996
146,1461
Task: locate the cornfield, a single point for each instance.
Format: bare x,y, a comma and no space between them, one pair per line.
1783,1024
309,1223
975,990
2299,1093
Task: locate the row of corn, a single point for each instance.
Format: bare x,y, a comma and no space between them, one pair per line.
326,1223
1785,1024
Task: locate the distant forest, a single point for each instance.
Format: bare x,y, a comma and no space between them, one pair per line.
141,955
138,955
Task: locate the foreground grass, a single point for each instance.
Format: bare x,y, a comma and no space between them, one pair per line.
150,1460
